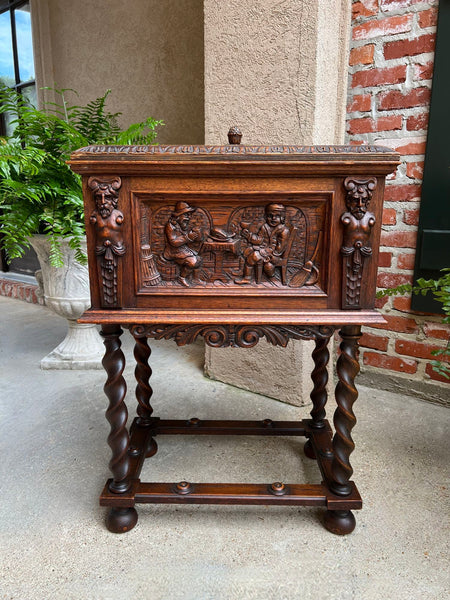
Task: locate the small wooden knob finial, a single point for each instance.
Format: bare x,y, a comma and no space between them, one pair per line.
234,135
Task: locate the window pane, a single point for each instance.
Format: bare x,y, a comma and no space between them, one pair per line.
24,43
7,118
29,93
6,53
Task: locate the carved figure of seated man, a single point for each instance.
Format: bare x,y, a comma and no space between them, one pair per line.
267,245
178,235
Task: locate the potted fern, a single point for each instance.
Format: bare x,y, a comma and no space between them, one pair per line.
41,203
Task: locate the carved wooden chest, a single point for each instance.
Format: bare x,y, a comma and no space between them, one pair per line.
233,243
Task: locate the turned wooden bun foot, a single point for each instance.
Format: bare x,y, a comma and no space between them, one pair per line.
340,522
121,520
308,450
152,448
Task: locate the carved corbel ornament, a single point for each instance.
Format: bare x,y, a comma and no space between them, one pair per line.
108,223
358,222
237,336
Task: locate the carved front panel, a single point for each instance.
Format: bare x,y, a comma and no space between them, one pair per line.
244,242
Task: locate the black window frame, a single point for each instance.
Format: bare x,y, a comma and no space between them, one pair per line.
433,239
10,6
30,263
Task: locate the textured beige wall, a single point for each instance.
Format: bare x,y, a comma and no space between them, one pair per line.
278,70
148,52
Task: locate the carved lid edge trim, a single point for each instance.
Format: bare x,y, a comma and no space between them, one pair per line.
231,151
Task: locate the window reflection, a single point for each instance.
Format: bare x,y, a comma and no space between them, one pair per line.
24,43
6,51
30,94
16,54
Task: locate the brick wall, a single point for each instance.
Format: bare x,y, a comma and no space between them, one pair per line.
391,67
21,291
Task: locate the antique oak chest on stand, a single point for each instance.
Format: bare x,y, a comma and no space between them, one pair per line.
233,243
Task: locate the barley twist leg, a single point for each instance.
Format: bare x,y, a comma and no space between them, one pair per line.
321,356
344,419
319,395
143,372
342,522
144,391
118,520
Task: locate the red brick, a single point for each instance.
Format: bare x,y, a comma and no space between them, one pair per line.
362,55
398,239
367,125
406,261
434,330
372,77
435,376
360,103
380,302
383,26
428,18
364,125
402,48
389,216
390,280
411,217
406,145
398,324
417,122
402,303
395,99
384,259
412,148
368,340
389,123
423,71
414,170
18,290
402,193
364,8
389,5
416,349
383,361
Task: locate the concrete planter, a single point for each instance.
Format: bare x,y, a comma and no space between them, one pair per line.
66,292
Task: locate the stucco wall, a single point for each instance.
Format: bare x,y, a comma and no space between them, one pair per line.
278,70
148,52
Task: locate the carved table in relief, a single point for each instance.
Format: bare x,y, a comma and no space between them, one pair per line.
233,244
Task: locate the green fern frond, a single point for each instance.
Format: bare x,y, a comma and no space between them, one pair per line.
38,190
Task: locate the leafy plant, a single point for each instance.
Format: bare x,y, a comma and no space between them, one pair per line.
440,288
39,193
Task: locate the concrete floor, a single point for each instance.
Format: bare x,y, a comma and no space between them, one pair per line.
54,463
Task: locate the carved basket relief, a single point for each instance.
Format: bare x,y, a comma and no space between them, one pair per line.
264,243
